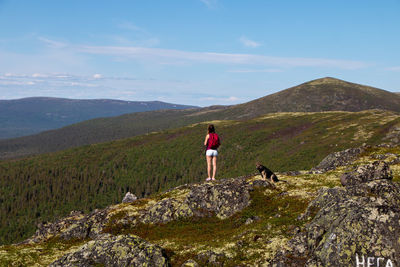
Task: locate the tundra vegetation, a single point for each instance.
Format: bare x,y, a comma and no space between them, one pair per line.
251,236
49,186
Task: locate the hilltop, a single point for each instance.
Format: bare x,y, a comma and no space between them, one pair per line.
326,94
48,186
336,216
32,115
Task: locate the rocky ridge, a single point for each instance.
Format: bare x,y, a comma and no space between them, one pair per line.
352,224
345,215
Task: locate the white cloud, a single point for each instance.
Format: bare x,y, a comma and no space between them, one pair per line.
97,76
229,99
171,56
249,43
255,71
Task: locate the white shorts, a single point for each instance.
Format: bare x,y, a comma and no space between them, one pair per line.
211,153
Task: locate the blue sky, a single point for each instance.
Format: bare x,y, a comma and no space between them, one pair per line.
199,52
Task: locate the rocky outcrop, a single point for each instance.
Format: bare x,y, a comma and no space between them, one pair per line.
363,174
393,136
108,250
355,225
337,159
75,226
221,199
129,198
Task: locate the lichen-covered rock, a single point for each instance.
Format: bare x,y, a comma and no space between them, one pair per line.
366,173
129,198
211,258
166,210
359,223
108,250
337,159
75,226
190,263
393,135
223,199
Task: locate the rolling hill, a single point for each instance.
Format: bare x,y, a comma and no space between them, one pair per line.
326,94
32,115
48,186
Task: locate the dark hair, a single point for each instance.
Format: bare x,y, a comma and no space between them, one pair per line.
211,128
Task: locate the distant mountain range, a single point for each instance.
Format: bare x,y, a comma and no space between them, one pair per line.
28,116
326,94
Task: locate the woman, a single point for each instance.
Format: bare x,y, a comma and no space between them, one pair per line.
211,143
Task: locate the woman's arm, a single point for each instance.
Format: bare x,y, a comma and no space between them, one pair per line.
205,141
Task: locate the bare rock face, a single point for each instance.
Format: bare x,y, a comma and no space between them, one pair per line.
108,250
367,173
221,199
75,226
337,159
358,225
129,198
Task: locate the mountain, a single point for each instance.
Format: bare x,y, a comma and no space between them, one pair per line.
28,116
345,216
326,94
48,186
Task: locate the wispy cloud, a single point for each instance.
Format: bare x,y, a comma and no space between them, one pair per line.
397,68
210,3
227,99
171,56
256,71
52,43
126,25
249,43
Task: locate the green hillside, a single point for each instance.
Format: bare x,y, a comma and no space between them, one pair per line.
326,94
51,185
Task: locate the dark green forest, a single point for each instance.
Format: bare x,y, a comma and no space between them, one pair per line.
49,186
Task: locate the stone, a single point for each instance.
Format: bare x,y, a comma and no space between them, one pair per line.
366,173
337,159
121,250
75,226
358,223
129,198
190,263
211,258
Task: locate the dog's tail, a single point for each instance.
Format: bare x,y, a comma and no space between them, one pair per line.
275,179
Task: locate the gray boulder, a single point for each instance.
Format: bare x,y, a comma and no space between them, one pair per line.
108,250
351,225
337,159
367,173
129,198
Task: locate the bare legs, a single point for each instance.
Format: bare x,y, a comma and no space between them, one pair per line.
212,160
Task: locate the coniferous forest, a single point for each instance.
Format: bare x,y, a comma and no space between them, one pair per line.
49,186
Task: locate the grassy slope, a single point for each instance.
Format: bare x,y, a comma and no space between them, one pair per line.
318,95
94,176
245,244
